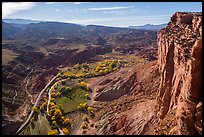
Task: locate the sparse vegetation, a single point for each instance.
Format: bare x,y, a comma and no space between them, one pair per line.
53,132
8,56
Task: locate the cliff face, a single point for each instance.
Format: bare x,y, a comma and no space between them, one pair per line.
180,65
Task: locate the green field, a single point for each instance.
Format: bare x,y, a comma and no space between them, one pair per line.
37,126
71,102
8,56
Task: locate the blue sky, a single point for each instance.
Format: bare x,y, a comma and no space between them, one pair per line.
120,14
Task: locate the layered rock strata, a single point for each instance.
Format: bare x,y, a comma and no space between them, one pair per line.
180,65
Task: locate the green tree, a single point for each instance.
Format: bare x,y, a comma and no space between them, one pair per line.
63,82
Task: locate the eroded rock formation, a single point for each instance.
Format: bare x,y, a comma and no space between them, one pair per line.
180,65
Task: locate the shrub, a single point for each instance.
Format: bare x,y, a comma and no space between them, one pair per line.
84,132
53,118
66,121
52,99
58,94
90,109
92,125
86,95
54,122
35,109
76,66
32,119
85,118
65,131
53,95
53,132
88,88
63,82
62,89
58,112
101,71
82,106
84,125
52,104
68,89
83,84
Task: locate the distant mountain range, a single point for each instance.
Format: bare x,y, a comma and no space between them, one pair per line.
33,29
20,21
149,27
28,21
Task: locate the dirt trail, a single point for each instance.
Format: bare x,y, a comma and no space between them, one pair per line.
25,81
10,74
14,98
38,98
26,87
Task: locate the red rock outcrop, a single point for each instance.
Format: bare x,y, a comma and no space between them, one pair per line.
125,101
180,64
121,83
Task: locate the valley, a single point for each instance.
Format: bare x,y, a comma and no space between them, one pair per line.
39,60
68,79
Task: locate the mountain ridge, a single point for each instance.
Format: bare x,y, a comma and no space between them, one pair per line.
149,27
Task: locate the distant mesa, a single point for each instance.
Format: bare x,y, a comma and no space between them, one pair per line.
149,27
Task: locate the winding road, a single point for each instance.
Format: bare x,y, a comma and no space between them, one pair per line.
31,113
49,94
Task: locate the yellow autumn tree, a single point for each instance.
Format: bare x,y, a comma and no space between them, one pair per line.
53,132
54,122
86,95
66,121
58,113
65,131
83,84
53,118
58,94
90,109
52,99
84,125
35,109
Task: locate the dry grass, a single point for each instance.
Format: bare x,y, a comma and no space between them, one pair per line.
44,51
8,56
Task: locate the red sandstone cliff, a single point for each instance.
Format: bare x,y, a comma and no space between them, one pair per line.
180,64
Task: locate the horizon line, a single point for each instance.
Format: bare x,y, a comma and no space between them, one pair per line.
79,23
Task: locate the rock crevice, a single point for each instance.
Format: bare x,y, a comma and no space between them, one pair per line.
180,65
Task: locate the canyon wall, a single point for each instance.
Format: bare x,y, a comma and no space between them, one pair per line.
180,65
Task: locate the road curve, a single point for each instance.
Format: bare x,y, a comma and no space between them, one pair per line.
31,113
49,93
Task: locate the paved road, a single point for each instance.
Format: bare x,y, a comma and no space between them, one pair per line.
31,113
49,94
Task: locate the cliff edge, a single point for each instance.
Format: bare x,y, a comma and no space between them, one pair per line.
180,65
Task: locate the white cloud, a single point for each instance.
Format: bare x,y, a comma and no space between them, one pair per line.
120,12
77,3
9,8
110,8
122,19
57,10
80,2
116,12
50,2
